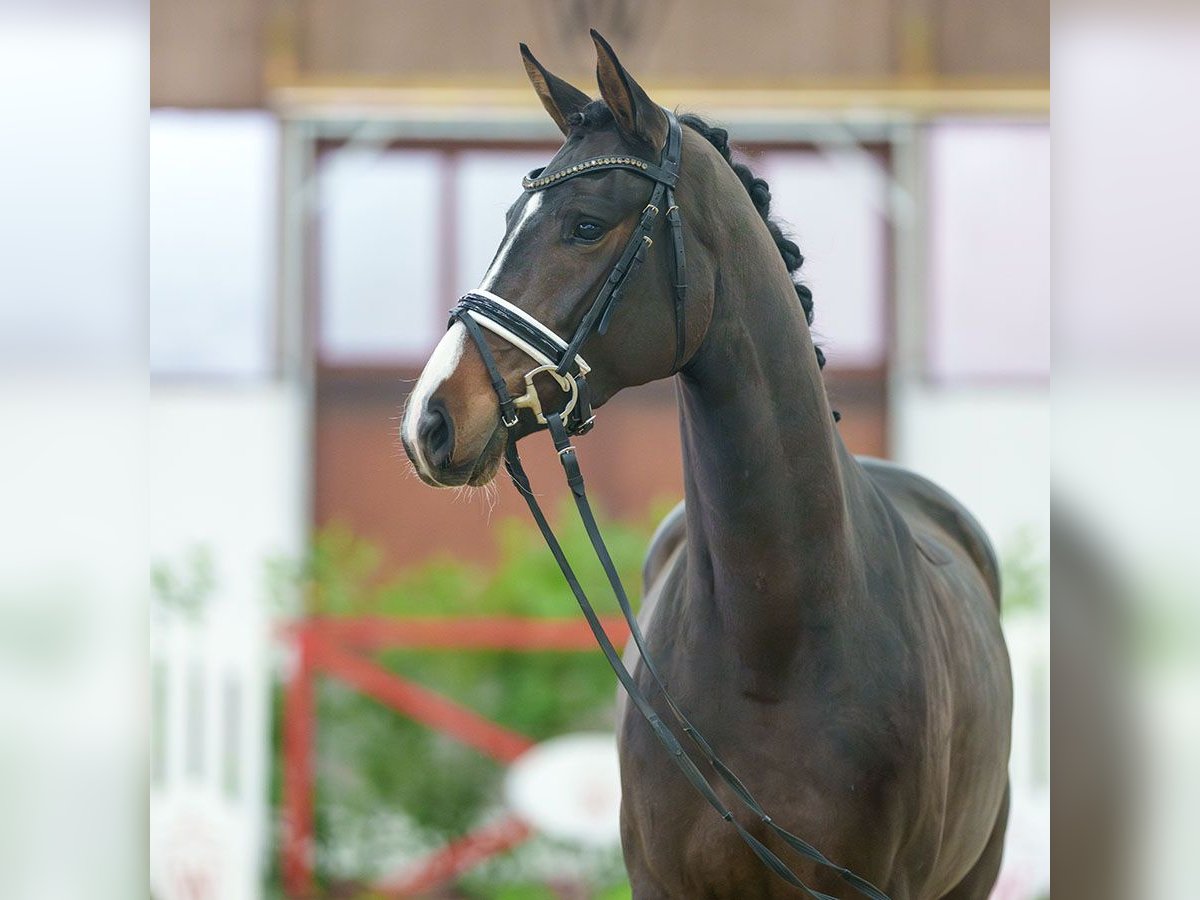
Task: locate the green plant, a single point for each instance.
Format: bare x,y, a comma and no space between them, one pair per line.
387,786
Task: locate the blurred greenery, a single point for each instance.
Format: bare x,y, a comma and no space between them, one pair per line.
1025,576
389,788
187,585
373,763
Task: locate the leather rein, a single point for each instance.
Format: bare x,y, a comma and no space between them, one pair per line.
481,311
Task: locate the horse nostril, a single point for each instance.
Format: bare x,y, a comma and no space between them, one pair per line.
436,433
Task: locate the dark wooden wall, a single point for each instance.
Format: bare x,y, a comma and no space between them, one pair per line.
216,53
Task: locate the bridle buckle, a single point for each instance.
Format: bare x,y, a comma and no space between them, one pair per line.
530,399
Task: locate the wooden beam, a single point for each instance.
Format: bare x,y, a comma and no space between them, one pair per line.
381,100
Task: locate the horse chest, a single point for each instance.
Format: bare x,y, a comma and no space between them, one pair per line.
677,845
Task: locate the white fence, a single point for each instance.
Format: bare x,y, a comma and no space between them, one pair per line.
226,485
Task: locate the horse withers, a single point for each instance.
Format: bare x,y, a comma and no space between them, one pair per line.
831,624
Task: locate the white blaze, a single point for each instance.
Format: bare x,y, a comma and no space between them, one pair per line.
531,206
441,366
449,351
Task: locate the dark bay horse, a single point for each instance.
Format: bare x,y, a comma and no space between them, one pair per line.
830,623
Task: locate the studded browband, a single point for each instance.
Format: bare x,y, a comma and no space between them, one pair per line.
535,180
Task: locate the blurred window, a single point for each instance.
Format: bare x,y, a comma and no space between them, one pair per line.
231,736
213,225
488,182
833,203
988,251
381,226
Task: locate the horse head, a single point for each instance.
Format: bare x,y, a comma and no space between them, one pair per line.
577,221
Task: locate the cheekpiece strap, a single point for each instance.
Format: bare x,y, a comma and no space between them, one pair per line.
508,411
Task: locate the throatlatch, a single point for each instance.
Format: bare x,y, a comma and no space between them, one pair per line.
560,360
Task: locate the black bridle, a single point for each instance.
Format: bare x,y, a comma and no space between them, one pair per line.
560,359
482,310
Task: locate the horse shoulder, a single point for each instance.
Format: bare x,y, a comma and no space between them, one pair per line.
970,676
664,557
667,538
932,513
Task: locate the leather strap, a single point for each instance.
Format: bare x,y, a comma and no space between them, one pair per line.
596,318
680,280
664,176
544,344
550,345
508,411
574,476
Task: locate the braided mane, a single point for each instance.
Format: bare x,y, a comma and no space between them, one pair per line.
760,194
596,115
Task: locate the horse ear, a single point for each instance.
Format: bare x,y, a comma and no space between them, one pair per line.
636,114
560,98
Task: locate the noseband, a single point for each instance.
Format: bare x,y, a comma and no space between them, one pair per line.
559,359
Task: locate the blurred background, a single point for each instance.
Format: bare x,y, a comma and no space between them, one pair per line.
343,662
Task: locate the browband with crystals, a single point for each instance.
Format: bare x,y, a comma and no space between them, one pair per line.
536,181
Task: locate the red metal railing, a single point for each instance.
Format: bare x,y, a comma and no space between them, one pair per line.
340,648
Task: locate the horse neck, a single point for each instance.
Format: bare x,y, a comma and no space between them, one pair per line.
764,467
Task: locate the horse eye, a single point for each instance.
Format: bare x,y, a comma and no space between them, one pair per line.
588,231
